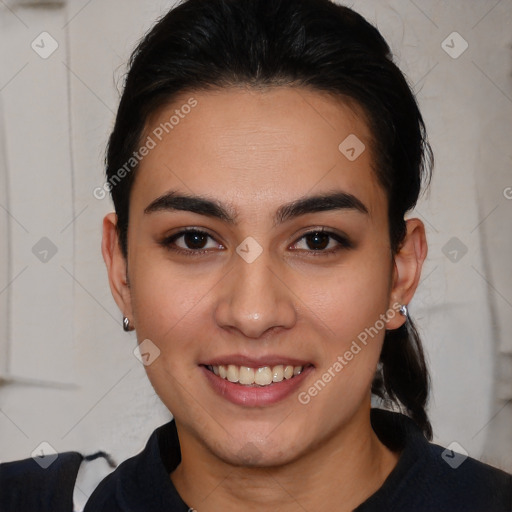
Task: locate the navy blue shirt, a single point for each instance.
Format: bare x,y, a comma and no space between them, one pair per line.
427,478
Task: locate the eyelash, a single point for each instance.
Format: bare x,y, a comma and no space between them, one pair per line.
344,243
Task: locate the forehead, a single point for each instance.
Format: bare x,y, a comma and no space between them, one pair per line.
255,149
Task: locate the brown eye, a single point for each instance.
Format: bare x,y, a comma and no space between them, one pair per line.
321,241
194,240
190,241
317,240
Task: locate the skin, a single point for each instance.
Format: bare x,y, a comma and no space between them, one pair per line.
254,150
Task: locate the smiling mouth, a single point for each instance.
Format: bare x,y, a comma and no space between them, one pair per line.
256,377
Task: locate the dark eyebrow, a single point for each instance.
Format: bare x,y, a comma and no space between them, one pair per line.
203,206
319,203
196,204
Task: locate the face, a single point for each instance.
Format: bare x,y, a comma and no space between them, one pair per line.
270,274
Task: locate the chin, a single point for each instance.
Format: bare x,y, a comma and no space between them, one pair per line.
262,445
253,455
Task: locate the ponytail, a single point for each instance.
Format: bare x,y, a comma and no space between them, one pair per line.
402,375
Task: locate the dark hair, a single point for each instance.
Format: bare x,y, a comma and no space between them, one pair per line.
315,44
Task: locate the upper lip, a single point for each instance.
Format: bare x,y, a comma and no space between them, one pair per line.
255,362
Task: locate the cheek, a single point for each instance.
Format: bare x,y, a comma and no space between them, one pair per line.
351,297
167,302
350,303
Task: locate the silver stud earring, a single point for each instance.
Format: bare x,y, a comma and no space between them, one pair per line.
126,324
403,310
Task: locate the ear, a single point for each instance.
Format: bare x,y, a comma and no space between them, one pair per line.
116,265
408,263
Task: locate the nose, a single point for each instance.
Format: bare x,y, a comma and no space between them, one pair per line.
255,298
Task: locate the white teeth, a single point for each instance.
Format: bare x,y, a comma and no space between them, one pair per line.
277,373
246,375
233,373
262,376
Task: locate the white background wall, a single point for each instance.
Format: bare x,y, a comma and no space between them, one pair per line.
69,375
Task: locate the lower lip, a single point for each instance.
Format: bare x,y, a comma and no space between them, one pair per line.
254,396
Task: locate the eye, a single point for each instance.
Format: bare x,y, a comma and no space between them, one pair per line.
194,242
324,242
190,242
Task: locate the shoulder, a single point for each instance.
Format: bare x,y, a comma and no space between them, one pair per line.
429,477
31,484
142,483
465,483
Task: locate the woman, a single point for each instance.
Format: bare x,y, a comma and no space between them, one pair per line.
262,161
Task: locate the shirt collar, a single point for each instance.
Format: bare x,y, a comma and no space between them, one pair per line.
145,483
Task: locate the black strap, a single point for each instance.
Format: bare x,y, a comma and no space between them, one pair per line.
28,487
110,461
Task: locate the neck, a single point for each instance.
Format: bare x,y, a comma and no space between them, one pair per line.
339,475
